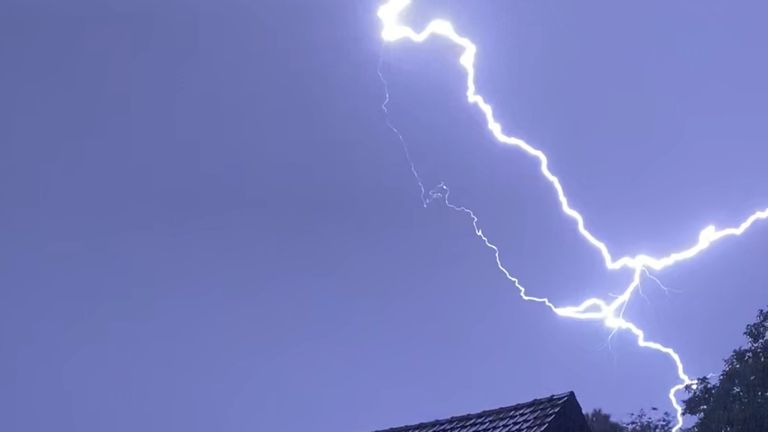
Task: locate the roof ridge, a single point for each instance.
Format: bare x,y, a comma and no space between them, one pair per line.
564,396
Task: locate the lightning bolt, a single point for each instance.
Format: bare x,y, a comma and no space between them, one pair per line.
610,313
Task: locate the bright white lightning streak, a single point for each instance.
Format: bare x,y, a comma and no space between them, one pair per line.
591,309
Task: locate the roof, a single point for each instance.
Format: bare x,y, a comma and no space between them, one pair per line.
556,413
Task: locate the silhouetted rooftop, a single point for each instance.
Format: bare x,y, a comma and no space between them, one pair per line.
556,413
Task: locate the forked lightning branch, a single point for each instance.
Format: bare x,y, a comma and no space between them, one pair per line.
608,312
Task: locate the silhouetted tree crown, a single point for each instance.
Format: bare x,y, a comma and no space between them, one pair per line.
738,401
643,422
601,422
639,422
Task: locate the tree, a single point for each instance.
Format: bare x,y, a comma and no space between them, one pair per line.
639,422
599,421
738,401
643,422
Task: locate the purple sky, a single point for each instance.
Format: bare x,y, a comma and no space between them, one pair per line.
205,223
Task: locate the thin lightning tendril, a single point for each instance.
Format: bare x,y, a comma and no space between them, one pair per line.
611,314
396,131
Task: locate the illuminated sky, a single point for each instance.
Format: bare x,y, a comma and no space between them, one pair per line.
207,224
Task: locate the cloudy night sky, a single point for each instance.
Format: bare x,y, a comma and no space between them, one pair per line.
206,224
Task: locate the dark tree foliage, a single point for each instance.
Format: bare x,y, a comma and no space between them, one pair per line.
643,422
599,421
639,422
738,401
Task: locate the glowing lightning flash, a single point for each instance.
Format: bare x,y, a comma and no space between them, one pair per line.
611,314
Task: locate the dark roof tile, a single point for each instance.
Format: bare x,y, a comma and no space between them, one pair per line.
533,416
